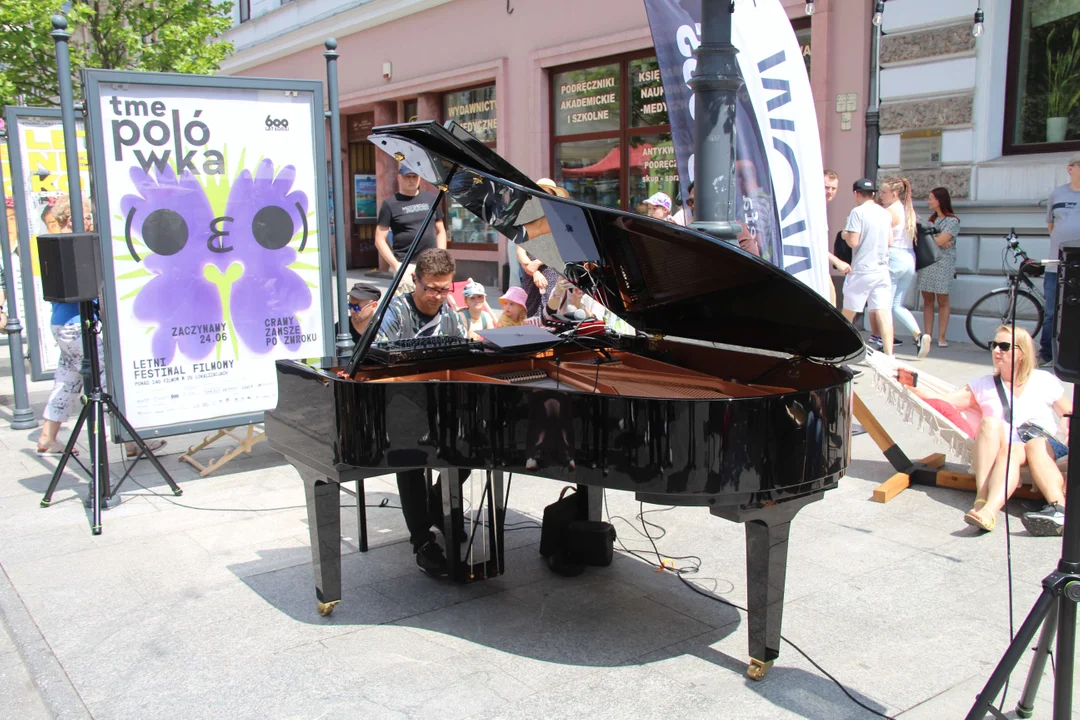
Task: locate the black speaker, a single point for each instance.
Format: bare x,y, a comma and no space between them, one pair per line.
70,267
1067,317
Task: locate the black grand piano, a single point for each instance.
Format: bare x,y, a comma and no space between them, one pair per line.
728,396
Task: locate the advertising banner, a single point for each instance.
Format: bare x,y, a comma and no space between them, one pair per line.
212,191
40,202
778,150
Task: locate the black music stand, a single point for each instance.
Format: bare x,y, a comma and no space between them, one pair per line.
70,272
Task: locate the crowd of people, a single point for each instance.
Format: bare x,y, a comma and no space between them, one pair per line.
876,251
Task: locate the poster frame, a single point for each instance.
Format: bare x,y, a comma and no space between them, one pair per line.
93,81
29,311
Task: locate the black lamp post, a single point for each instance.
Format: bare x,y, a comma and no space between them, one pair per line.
715,82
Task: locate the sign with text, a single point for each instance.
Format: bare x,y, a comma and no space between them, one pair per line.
587,100
213,193
40,200
473,110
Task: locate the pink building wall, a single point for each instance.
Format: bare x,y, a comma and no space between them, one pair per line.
469,42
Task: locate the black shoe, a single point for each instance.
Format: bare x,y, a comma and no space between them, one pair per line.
430,559
1048,522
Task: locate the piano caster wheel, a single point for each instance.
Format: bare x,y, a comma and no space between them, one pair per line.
327,608
758,669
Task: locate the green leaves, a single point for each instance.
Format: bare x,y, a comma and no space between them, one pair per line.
1063,76
151,35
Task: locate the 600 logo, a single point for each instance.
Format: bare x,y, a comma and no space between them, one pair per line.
275,124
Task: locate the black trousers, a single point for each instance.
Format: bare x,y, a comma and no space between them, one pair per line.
422,506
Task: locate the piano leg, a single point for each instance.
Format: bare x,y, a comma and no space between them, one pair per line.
766,572
496,520
361,515
324,524
453,525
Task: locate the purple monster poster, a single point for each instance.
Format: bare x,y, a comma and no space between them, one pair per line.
216,259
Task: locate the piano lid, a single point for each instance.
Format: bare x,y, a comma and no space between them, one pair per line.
660,277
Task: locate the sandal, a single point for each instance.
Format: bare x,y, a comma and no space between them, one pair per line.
56,448
971,517
151,445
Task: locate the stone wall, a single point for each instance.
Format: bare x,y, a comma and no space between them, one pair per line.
948,40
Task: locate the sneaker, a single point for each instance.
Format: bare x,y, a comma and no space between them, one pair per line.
875,342
1048,522
430,559
924,345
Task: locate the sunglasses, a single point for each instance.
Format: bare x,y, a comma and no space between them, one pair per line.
355,308
1002,346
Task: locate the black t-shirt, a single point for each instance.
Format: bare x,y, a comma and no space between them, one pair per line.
404,215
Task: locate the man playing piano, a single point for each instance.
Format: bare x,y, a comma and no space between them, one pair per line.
424,313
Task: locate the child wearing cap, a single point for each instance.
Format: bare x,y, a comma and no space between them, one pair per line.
475,313
658,206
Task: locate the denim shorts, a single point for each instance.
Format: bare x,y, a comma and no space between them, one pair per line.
1030,431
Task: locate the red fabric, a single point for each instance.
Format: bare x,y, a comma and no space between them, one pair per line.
954,416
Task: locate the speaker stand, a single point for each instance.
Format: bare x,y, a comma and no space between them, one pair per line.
92,417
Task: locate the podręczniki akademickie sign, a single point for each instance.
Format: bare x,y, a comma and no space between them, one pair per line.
213,192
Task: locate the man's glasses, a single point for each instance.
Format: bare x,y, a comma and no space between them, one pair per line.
431,290
1002,346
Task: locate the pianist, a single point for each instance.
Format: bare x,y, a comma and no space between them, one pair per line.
424,313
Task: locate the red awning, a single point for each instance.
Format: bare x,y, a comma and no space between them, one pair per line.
609,163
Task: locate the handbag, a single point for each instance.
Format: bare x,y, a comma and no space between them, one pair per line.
926,248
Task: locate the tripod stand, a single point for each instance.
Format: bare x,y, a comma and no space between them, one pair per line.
96,402
1055,611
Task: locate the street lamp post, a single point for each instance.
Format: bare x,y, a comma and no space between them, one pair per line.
344,338
715,82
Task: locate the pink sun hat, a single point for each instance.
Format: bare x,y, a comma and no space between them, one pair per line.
514,294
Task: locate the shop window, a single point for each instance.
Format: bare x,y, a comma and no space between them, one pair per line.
801,26
1042,97
612,143
652,169
475,110
587,100
245,10
591,171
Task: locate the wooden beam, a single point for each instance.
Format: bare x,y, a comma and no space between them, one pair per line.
935,461
892,487
870,423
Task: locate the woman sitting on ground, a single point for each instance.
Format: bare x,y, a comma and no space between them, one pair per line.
1038,402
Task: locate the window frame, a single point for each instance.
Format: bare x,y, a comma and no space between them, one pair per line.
625,131
244,8
1012,80
452,244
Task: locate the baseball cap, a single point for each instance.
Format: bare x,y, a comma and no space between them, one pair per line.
406,170
364,292
660,200
473,288
864,185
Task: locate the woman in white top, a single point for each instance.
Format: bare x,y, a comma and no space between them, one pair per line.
895,196
1038,402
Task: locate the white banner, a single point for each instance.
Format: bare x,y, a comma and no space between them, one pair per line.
215,261
772,68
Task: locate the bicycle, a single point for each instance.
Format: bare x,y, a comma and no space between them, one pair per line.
998,303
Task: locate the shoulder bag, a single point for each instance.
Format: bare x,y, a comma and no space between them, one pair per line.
926,248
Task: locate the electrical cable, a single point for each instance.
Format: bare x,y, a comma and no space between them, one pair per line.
680,573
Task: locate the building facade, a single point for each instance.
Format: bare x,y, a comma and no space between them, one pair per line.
991,118
563,89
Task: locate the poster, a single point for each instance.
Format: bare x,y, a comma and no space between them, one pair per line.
40,196
364,192
13,238
778,150
218,266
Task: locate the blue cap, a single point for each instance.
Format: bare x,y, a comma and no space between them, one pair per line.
406,170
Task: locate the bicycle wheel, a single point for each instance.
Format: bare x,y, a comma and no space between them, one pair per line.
994,308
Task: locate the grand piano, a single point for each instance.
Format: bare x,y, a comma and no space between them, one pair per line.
729,395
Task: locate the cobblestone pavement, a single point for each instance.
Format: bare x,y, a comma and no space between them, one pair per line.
202,606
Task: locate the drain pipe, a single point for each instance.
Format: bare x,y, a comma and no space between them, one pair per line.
873,114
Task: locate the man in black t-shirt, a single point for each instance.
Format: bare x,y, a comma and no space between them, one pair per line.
404,213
